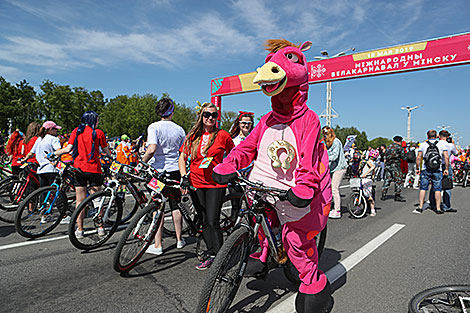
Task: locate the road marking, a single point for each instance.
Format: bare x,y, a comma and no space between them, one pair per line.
345,186
33,242
336,272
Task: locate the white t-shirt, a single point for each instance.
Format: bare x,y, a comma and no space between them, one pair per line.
237,140
441,145
451,149
168,137
42,147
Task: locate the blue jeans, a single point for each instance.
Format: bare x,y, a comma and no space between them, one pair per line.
447,194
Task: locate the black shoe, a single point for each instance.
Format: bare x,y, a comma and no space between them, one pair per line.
316,303
439,212
418,211
256,269
384,194
450,210
399,198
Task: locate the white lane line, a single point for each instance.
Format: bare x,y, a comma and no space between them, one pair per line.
33,242
345,186
336,272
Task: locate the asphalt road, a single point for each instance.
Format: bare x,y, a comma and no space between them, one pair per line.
52,276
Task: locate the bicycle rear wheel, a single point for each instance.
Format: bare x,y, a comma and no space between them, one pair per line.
225,274
95,211
137,238
357,206
441,299
40,212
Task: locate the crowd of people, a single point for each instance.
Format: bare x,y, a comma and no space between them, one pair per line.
406,165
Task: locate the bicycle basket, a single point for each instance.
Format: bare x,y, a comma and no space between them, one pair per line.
355,183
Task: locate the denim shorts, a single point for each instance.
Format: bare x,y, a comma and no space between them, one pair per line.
434,177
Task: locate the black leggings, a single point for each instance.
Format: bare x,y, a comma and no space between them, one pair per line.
46,179
208,203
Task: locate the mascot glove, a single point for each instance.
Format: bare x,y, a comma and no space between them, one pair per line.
224,173
299,201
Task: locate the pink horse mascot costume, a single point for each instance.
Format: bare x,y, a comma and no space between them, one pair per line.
287,153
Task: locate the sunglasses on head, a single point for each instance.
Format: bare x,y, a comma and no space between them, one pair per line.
209,114
248,123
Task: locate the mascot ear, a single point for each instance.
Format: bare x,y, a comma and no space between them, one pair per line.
305,46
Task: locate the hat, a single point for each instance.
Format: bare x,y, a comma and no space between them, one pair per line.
50,124
124,137
398,138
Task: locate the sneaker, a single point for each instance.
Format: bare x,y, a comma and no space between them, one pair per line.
153,250
46,219
450,210
180,244
334,214
439,211
372,212
101,232
79,234
65,220
418,210
205,264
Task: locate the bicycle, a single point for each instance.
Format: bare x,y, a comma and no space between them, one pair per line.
449,299
104,209
357,203
142,230
228,268
44,208
14,189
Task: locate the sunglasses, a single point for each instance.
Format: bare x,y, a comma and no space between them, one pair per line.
246,123
209,114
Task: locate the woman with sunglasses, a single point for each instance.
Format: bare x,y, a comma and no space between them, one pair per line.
206,145
242,126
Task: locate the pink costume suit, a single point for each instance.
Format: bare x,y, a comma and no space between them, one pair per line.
306,178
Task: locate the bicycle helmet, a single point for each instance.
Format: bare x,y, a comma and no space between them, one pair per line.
374,153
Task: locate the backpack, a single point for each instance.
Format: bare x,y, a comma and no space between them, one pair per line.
432,158
410,156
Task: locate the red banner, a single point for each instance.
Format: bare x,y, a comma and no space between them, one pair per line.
446,51
411,57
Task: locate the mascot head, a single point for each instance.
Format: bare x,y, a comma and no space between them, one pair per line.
284,76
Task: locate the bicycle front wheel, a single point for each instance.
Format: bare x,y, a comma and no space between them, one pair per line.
225,274
441,299
357,206
12,190
40,212
94,213
137,238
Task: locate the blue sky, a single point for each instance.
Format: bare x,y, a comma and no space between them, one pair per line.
140,47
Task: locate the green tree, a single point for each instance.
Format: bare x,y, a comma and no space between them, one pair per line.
361,139
377,142
226,120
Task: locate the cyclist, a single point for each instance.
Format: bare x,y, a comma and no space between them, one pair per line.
241,128
85,143
67,157
46,143
15,149
206,145
31,136
366,175
338,166
123,151
164,139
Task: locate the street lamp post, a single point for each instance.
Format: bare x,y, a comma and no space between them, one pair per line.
409,109
329,113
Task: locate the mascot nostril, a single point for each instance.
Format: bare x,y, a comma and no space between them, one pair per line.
290,130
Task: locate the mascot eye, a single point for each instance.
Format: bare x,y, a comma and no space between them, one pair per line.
294,58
